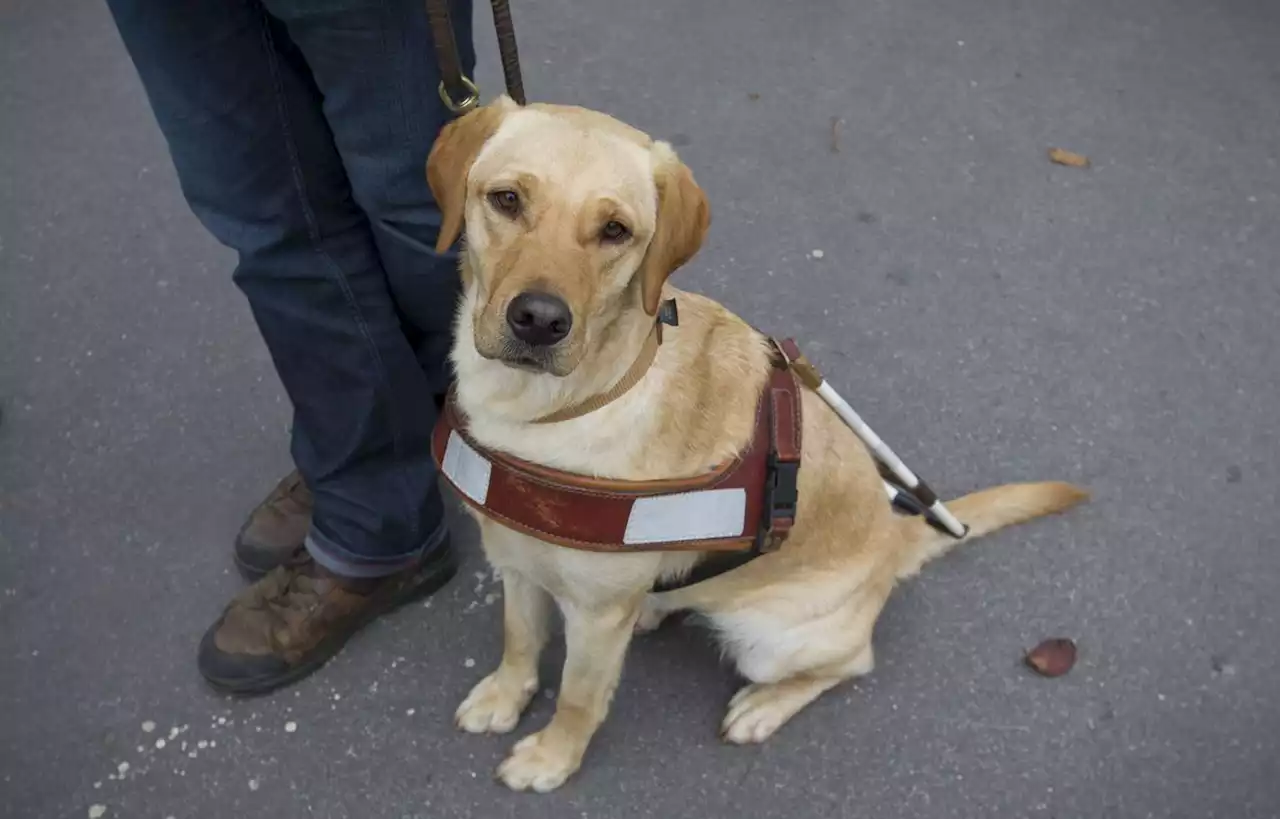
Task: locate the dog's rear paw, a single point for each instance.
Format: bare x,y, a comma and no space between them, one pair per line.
754,714
539,764
494,706
757,711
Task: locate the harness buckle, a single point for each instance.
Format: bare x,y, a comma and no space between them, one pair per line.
781,496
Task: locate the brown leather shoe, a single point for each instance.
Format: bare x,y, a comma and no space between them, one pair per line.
297,617
274,533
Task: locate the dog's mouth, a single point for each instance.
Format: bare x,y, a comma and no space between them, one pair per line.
520,356
528,363
503,348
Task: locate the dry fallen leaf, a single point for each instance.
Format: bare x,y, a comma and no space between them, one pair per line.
1068,158
1053,658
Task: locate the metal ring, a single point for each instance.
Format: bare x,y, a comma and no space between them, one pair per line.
470,101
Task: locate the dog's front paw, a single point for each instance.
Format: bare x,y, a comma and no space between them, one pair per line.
539,763
494,706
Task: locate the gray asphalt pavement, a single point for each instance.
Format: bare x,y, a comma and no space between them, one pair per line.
994,316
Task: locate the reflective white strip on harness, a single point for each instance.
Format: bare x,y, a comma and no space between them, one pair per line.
704,515
467,469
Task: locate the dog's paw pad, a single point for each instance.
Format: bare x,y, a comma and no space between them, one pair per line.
755,712
538,765
493,708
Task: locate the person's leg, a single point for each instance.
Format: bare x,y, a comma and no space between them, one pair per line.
258,165
374,65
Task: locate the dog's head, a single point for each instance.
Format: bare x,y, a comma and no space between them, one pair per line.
572,220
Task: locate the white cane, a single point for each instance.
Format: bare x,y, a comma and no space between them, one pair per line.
918,489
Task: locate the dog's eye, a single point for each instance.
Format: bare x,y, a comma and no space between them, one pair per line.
614,231
505,202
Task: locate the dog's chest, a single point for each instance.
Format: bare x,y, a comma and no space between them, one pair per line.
587,578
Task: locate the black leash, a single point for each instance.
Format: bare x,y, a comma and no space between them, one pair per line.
458,91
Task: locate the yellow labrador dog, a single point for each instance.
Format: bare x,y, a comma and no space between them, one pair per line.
573,222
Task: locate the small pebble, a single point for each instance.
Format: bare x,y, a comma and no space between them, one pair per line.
213,743
409,713
202,744
97,811
469,663
148,727
817,254
123,768
222,720
159,743
290,727
253,784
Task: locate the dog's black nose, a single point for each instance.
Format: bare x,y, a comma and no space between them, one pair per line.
539,319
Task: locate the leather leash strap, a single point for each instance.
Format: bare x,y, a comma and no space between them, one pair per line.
458,91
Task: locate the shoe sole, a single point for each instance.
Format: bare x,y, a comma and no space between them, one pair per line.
436,572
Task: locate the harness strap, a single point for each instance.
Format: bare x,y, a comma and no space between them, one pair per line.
745,505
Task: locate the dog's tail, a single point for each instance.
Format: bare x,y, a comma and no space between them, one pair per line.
984,512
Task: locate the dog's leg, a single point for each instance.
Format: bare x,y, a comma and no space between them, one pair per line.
760,709
652,612
596,641
495,704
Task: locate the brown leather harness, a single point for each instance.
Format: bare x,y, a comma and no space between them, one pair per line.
741,509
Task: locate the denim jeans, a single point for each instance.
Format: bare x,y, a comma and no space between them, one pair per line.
299,130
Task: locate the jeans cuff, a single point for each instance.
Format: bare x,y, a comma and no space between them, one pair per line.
346,563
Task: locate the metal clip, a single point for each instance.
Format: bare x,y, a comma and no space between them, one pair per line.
468,102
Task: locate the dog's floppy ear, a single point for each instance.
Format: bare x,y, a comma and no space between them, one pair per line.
450,160
683,218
